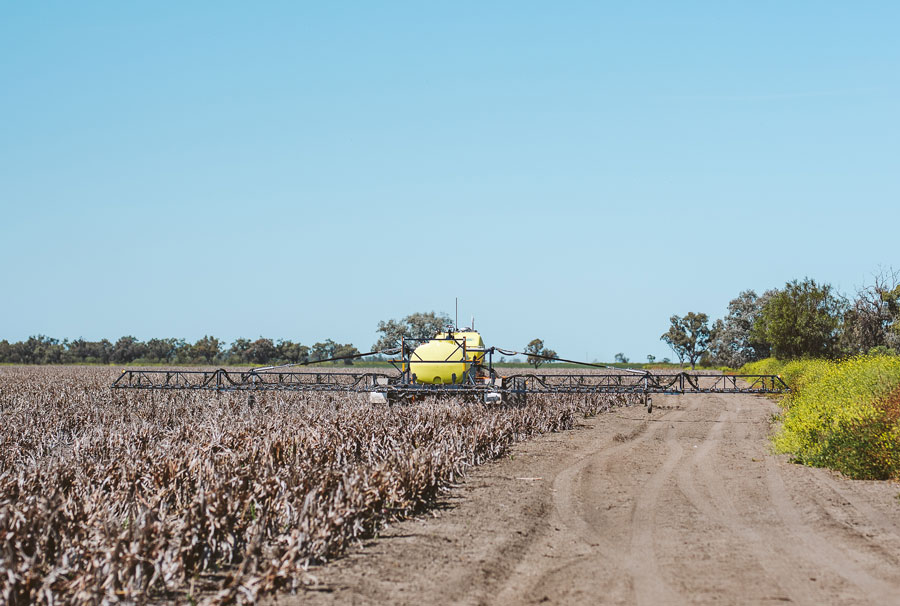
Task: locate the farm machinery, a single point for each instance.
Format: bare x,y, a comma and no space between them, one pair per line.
452,363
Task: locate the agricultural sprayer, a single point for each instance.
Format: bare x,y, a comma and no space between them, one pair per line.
454,362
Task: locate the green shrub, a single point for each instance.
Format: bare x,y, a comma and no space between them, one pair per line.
843,415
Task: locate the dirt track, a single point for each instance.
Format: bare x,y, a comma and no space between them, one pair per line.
685,505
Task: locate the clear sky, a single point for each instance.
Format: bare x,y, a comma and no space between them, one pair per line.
574,171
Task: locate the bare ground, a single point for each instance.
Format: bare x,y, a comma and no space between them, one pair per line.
686,505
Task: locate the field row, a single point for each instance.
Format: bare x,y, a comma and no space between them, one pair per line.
109,495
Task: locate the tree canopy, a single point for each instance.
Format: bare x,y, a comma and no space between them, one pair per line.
872,320
731,343
802,319
537,353
421,325
688,336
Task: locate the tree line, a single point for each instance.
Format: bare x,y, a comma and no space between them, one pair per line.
208,350
804,319
211,350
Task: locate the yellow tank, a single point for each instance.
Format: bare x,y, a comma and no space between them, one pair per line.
438,360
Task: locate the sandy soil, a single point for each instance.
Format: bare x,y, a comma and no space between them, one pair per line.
686,505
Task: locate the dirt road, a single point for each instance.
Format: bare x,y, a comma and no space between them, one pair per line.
684,506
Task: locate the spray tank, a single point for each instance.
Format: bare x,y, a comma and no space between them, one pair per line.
448,358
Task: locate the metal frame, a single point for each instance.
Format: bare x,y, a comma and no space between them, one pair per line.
480,380
374,382
225,380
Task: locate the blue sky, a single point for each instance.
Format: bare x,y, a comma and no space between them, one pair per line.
571,171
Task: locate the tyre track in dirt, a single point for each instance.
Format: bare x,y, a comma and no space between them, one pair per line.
684,506
572,492
647,581
820,548
702,483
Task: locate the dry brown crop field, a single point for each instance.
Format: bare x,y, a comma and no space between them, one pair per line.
111,496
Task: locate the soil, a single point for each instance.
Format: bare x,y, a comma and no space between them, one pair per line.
686,505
